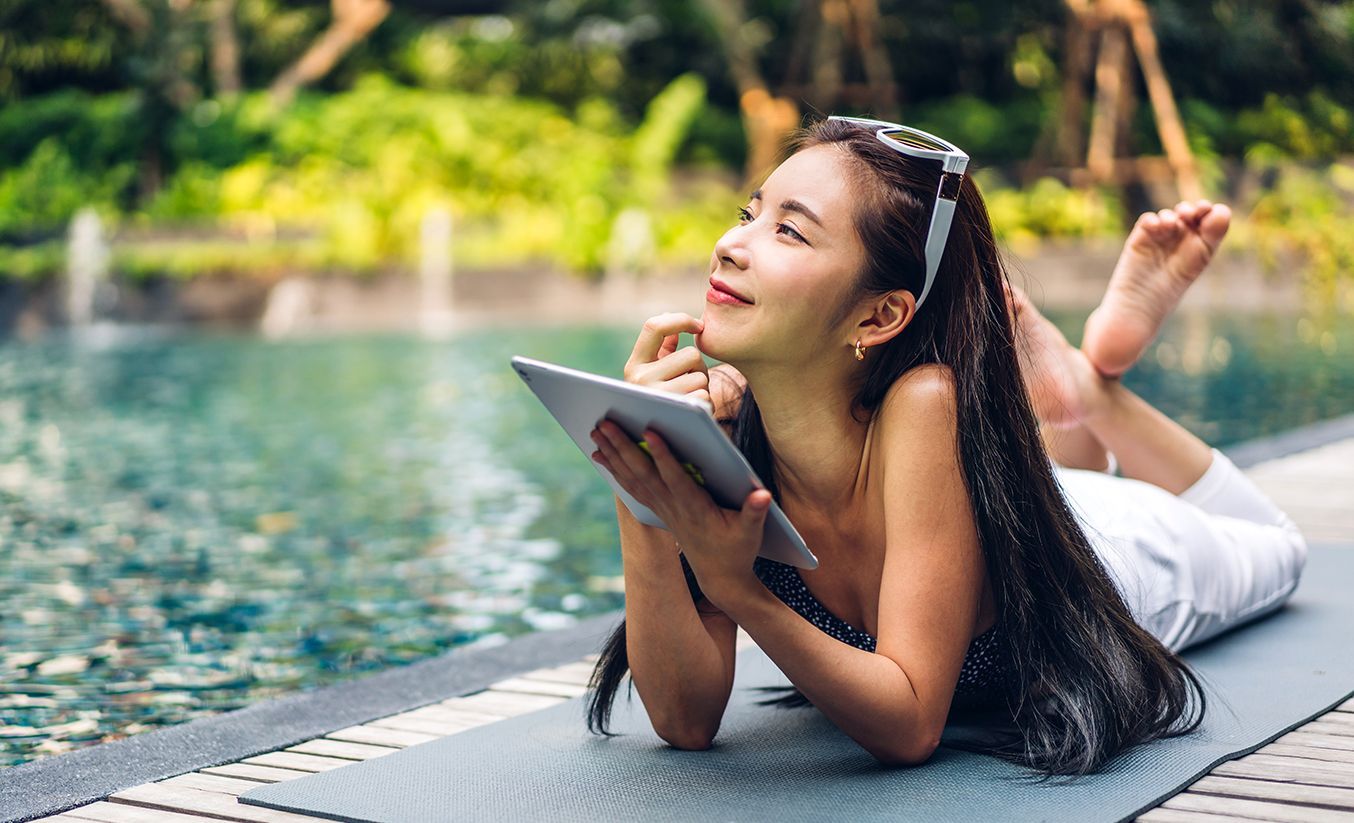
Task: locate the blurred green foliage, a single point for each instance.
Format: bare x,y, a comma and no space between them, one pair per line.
359,169
1023,215
538,122
1305,216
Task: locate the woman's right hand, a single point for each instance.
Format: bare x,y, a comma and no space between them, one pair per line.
656,361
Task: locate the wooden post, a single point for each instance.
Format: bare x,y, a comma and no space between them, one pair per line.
1070,144
1110,79
767,119
353,20
1169,126
874,57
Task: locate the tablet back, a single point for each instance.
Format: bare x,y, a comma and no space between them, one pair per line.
579,400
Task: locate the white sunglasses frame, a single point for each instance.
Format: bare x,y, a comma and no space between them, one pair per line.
954,161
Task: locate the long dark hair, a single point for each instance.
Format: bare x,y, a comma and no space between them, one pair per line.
1089,681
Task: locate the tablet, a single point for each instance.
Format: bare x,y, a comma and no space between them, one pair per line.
579,400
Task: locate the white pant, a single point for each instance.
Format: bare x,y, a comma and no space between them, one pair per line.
1190,566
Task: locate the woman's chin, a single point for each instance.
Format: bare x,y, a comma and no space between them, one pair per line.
707,343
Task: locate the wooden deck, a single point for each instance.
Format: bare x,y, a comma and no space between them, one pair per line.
1305,775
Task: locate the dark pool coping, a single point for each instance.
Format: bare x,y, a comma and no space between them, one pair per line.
59,782
56,783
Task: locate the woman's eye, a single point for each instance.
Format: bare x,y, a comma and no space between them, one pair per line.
744,215
796,235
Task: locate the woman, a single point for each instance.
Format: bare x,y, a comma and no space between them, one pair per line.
913,448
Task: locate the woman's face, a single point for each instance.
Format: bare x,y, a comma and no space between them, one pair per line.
794,254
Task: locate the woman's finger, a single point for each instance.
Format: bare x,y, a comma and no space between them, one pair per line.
682,361
657,328
686,383
624,452
679,484
638,486
669,346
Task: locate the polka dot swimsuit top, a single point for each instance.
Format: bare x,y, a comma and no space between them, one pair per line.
985,670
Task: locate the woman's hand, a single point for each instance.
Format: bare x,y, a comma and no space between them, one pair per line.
656,361
719,543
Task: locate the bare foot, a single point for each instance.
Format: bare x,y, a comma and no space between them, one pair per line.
1060,379
1164,254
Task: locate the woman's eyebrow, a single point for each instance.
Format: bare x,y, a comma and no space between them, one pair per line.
796,206
792,205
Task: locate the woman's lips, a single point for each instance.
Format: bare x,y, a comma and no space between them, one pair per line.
721,293
714,295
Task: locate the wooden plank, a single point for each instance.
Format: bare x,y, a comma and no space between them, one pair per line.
1320,741
298,761
434,727
1268,790
232,786
341,749
105,812
1347,706
577,673
505,703
1335,716
1163,815
528,686
1308,753
251,771
378,736
1299,762
444,713
210,804
1253,809
1328,727
1285,770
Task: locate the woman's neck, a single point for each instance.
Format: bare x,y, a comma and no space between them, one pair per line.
817,447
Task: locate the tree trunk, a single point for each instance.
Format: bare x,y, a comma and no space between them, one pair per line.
225,49
1169,126
767,119
827,55
1111,78
353,20
878,68
1070,144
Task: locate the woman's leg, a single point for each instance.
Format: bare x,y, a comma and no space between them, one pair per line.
1163,255
1082,411
1188,567
1194,546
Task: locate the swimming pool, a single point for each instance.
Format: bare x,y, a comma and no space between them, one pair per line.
190,522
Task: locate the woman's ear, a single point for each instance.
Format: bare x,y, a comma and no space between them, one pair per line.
892,313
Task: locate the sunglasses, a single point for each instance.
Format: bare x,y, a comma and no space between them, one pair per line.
917,143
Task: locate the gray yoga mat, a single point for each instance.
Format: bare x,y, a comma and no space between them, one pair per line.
791,765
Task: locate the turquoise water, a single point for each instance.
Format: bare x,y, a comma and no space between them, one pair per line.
192,522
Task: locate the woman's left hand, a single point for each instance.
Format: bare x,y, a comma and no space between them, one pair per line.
719,543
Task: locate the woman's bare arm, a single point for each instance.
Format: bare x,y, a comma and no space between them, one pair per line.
681,660
681,654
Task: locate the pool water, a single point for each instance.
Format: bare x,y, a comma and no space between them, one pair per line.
192,522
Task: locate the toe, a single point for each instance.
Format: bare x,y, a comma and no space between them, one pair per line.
1170,223
1214,225
1149,223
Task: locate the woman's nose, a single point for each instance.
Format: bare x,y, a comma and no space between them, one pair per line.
730,250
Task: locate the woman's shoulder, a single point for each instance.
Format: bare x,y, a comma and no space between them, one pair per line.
918,414
927,387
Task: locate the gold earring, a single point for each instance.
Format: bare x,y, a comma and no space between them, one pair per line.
860,352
